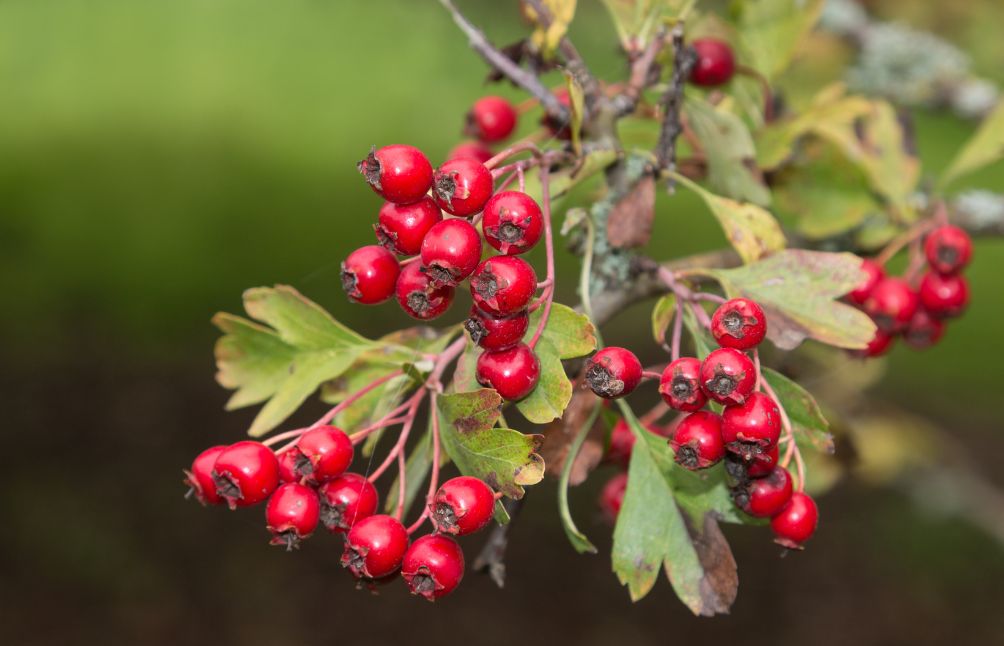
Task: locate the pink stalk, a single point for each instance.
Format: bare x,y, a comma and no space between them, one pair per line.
549,246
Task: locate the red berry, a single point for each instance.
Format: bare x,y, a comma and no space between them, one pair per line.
559,129
287,466
472,150
398,173
680,385
462,186
796,523
948,249
924,330
728,376
491,119
246,473
402,227
612,496
763,463
417,297
764,497
944,296
622,441
613,372
346,500
512,222
715,62
496,332
739,323
433,566
462,505
697,441
451,251
200,478
503,285
323,453
375,546
753,427
879,345
291,514
873,274
892,304
369,274
514,373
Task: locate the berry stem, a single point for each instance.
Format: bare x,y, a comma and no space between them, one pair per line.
654,414
903,239
398,448
789,434
650,374
545,196
434,476
515,149
759,375
674,351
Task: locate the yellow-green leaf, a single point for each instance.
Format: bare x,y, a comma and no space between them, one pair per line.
772,30
983,148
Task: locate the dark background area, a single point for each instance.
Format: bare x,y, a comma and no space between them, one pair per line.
157,158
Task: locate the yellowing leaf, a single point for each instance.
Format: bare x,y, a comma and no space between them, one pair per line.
985,147
772,30
547,40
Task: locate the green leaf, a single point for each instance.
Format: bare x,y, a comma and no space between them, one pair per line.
772,30
703,343
464,374
662,316
504,458
985,147
635,20
807,419
578,540
550,398
576,105
571,334
251,359
798,291
299,321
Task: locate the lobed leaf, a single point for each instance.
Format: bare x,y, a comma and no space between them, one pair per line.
772,30
985,147
549,399
571,333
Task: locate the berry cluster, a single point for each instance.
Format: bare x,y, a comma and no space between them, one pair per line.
916,309
746,434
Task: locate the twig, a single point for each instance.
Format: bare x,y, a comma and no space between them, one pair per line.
641,69
574,62
683,61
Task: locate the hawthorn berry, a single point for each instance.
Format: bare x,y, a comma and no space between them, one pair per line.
880,344
764,497
512,222
924,330
461,186
739,323
948,249
369,274
345,500
715,62
491,119
496,332
418,297
433,566
287,466
451,251
796,522
763,463
753,427
398,173
323,453
471,149
200,478
462,505
944,296
697,441
728,376
375,546
402,227
514,372
246,473
622,441
612,496
503,285
680,385
873,274
613,372
292,514
892,304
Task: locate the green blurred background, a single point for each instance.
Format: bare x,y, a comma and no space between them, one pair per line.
157,157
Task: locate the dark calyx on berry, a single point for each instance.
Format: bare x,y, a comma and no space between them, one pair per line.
602,381
370,168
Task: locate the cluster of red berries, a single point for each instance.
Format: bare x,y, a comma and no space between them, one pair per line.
307,485
745,434
918,312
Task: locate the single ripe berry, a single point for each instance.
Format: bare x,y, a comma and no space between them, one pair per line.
796,522
200,478
323,453
873,274
462,186
727,376
944,296
496,332
398,173
753,427
292,514
246,473
612,496
287,466
433,566
880,344
559,129
763,463
512,222
514,373
892,304
924,330
739,323
491,119
622,441
680,385
697,441
613,372
417,297
451,251
462,505
715,62
374,547
471,149
402,227
346,500
503,285
948,249
764,497
369,274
